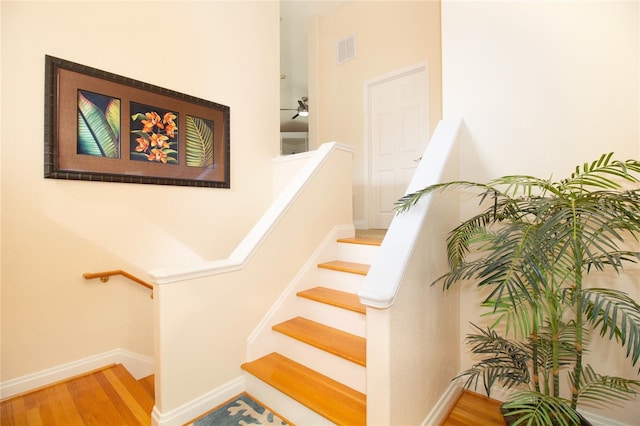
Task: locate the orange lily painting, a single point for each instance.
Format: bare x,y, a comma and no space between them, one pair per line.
154,134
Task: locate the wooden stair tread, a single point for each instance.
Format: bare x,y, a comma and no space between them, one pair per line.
327,397
369,241
129,388
329,339
148,383
343,266
332,297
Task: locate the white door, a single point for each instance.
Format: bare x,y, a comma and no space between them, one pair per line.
398,133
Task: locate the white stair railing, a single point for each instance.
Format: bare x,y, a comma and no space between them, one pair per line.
412,328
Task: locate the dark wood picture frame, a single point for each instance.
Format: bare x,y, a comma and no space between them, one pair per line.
104,127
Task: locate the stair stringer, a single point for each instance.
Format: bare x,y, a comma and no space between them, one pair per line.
260,342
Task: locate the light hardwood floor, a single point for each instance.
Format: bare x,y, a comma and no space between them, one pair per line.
112,397
107,397
473,409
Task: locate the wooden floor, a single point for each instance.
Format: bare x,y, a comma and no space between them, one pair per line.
112,397
107,397
473,409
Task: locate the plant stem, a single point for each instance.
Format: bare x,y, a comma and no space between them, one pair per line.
534,346
555,315
577,270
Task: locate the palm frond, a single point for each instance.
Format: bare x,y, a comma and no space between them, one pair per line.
506,361
409,200
536,409
199,142
616,315
597,173
596,388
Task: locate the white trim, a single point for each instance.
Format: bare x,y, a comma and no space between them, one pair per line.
444,405
249,245
597,420
292,157
198,406
138,365
368,86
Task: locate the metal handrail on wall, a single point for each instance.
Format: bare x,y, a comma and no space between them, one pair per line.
104,277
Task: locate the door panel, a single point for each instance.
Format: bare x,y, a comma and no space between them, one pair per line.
398,114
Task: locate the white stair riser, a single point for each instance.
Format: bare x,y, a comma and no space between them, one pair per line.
342,319
281,404
339,280
360,253
339,369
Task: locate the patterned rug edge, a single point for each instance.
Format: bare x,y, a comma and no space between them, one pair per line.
240,410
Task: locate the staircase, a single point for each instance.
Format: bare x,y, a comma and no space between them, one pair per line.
316,375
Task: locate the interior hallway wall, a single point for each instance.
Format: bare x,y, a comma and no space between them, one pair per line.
55,230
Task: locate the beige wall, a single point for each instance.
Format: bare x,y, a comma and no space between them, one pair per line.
54,230
542,87
390,36
204,322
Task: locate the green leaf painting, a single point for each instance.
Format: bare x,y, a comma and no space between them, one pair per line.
199,142
98,125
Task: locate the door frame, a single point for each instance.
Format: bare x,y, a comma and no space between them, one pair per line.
368,149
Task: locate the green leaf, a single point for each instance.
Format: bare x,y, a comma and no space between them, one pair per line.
503,362
112,115
616,315
534,408
199,142
139,156
602,389
96,135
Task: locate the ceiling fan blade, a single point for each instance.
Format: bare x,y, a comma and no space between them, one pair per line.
294,117
302,105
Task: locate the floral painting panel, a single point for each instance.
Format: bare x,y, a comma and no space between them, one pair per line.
98,132
154,134
199,142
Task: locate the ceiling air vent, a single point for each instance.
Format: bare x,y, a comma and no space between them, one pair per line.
347,49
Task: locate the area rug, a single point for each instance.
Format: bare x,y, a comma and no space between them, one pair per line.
239,411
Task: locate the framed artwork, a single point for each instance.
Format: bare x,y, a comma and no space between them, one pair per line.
104,127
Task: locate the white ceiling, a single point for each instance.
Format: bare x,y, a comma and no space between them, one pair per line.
294,21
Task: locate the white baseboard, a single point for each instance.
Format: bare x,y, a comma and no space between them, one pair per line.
197,407
138,365
444,405
597,420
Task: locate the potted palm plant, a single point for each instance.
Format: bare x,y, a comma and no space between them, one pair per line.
531,247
